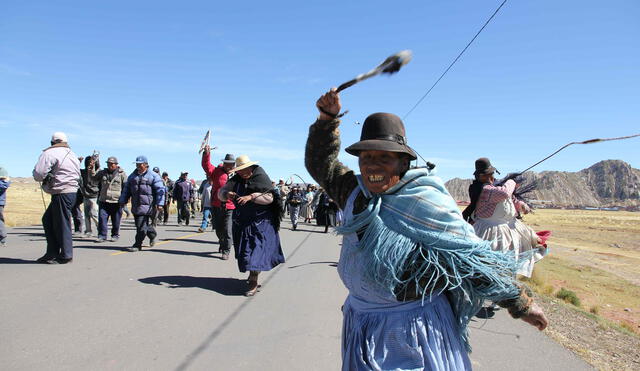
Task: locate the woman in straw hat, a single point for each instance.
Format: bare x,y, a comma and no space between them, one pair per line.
255,220
415,270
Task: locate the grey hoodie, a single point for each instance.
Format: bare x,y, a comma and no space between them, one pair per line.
64,167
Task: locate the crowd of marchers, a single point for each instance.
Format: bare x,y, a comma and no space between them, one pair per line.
237,200
416,268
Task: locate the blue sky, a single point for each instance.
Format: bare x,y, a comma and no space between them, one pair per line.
150,77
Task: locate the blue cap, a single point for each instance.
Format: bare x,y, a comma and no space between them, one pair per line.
142,160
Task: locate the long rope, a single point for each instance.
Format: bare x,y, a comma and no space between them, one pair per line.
454,61
583,142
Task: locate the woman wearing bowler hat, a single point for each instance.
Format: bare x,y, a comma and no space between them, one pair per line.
255,235
493,211
415,270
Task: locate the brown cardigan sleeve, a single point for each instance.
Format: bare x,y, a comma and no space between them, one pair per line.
321,161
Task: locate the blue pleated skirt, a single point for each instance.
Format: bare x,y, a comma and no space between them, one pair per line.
255,240
401,336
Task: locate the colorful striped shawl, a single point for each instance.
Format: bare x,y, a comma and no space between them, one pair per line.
415,233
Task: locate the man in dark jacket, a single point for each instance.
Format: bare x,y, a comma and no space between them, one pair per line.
90,190
182,195
168,186
112,181
146,191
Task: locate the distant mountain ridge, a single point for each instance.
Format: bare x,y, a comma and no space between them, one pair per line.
605,184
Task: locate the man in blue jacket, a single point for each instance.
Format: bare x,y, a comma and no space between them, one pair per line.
146,190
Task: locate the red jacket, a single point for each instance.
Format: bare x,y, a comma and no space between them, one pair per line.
217,178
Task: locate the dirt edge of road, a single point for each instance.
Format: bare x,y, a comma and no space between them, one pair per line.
597,342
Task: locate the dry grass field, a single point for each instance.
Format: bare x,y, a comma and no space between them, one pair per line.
25,204
595,254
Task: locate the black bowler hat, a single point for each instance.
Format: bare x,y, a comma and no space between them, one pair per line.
483,166
229,159
382,132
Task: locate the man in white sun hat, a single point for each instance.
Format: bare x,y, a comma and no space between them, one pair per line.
58,169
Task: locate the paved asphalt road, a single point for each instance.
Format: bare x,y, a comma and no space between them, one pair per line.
178,306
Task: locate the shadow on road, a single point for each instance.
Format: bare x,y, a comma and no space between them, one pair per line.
203,254
307,230
29,234
223,286
193,240
486,313
99,246
331,264
16,261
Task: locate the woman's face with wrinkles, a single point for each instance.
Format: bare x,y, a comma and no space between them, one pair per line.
381,170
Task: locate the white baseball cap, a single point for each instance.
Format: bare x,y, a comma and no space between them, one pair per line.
59,136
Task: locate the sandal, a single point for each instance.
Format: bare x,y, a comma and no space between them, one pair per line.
253,288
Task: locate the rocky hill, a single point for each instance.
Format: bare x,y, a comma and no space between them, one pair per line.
604,184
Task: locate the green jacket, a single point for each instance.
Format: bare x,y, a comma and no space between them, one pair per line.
111,184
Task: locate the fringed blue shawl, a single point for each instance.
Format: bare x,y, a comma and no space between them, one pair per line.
414,233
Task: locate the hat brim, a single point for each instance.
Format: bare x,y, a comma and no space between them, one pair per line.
379,145
229,161
244,166
489,170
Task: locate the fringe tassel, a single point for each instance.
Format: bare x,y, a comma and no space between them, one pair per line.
470,270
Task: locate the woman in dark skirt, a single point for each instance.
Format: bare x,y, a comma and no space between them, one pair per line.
255,220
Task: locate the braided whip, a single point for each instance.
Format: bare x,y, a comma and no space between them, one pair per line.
583,142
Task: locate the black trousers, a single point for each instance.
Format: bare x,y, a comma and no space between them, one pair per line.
183,212
56,222
222,221
108,210
165,211
143,229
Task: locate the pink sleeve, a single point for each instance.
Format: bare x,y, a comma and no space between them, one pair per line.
496,194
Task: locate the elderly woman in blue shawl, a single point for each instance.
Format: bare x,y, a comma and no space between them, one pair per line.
415,270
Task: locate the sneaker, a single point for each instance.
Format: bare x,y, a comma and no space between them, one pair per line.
3,244
225,255
45,259
152,242
114,238
64,260
101,239
134,248
179,224
200,230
